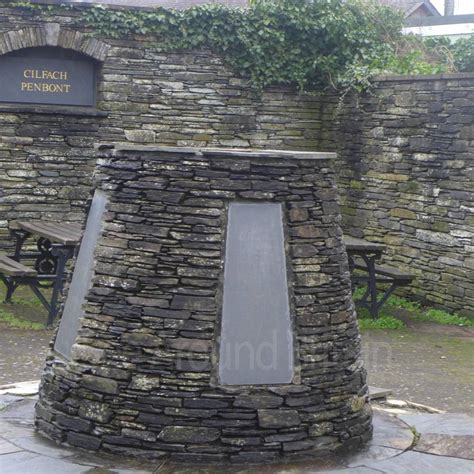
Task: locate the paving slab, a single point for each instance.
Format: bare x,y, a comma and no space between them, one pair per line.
19,408
391,432
354,470
9,430
412,462
374,453
7,448
446,423
35,443
6,400
376,393
25,462
25,389
446,445
324,466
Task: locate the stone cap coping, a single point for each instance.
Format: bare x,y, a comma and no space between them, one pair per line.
52,110
143,4
224,152
427,77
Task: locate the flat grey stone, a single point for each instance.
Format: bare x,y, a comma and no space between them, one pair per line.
377,392
34,463
411,462
14,463
390,432
278,418
37,444
447,445
447,423
352,470
188,434
320,466
9,430
7,448
6,400
21,388
19,409
373,453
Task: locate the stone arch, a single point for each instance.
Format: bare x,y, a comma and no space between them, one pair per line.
52,34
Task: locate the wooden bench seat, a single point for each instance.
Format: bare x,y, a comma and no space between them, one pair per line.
386,271
11,267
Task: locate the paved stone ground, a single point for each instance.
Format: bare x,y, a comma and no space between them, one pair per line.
445,446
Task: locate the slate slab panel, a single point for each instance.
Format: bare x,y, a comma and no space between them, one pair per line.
82,276
257,342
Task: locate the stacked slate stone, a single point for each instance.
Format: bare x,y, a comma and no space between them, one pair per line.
143,377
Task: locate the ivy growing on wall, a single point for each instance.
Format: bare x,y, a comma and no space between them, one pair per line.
311,44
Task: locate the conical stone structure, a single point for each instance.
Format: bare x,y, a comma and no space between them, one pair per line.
217,321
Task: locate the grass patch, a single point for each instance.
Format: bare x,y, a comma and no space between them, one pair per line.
32,302
358,293
416,436
414,310
24,296
443,317
15,322
399,302
384,321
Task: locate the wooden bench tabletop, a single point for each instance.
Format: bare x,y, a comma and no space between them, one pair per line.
57,232
361,245
11,267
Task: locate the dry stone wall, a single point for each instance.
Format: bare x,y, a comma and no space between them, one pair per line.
406,178
186,99
405,170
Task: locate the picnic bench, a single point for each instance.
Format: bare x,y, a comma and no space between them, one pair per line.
365,271
55,244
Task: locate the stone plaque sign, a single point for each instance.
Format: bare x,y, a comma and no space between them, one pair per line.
256,341
47,80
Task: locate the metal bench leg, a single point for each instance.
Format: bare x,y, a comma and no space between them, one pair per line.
387,293
20,236
11,287
63,254
371,294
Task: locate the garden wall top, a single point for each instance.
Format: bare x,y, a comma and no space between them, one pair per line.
425,77
179,4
